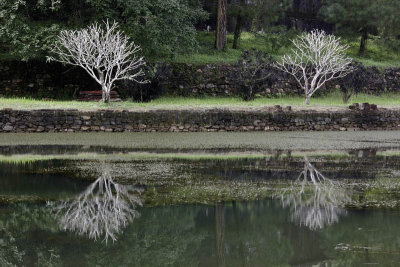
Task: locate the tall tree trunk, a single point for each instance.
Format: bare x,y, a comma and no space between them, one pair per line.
220,234
363,43
220,38
238,27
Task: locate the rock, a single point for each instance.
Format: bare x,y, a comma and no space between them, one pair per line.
354,106
352,129
365,107
8,128
256,122
40,129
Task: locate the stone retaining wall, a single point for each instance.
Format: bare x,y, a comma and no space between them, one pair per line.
200,120
213,80
53,80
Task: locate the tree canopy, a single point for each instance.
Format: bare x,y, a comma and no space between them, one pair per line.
359,16
165,28
162,27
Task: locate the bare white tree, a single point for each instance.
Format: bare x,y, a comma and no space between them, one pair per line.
316,58
316,200
104,208
105,53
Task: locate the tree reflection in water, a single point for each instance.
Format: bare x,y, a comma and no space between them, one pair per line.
104,208
316,200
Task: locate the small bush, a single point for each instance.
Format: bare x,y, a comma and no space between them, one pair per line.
356,81
156,74
253,73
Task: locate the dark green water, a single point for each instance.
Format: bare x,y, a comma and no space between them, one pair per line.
123,208
259,233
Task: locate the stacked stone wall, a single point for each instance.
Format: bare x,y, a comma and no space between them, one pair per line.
53,80
201,120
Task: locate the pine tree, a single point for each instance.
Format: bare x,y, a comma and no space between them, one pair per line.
360,16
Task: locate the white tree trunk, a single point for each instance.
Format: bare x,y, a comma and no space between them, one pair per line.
316,59
307,102
105,94
105,53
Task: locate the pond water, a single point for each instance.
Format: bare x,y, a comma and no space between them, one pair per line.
88,205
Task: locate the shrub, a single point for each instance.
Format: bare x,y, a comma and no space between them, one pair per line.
359,79
156,74
253,73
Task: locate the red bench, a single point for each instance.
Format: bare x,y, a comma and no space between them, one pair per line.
97,96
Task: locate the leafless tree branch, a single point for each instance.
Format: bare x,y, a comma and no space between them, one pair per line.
105,53
316,58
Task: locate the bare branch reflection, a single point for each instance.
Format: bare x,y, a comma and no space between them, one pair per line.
315,200
104,208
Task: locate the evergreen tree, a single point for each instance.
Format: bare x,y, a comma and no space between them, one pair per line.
389,23
362,17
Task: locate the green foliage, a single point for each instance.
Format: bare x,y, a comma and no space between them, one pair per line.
353,14
277,38
155,73
253,73
162,27
275,42
363,17
165,28
13,28
389,24
22,35
267,12
376,54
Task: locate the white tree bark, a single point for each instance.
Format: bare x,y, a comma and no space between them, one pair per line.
105,53
315,59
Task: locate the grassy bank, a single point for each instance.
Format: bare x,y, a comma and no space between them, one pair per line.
332,100
278,44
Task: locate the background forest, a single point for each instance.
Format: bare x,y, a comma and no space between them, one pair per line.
176,30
